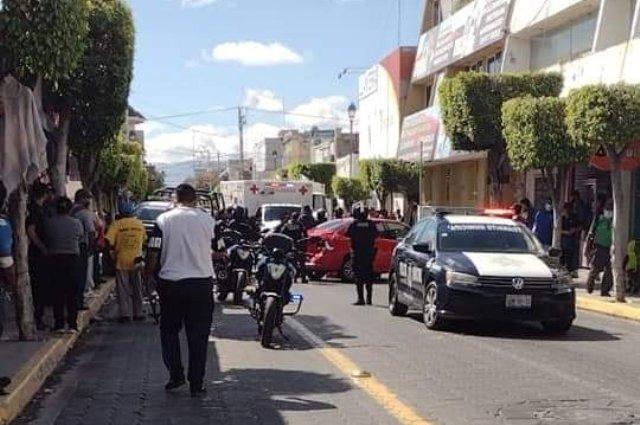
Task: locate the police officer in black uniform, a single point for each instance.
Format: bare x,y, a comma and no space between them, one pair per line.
363,234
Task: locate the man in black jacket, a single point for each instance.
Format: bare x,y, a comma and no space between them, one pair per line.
363,235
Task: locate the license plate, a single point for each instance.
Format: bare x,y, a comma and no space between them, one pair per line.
518,301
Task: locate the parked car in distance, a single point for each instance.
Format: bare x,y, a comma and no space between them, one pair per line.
148,212
479,267
332,256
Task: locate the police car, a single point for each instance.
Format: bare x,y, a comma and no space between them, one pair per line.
479,267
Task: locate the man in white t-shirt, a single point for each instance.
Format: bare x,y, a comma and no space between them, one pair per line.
182,243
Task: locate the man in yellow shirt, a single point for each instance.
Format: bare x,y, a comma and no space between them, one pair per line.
126,237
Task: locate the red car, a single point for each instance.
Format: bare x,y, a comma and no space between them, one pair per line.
333,255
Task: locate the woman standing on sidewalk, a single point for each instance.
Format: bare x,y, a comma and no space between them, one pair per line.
64,235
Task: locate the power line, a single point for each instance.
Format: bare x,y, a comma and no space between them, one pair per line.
194,113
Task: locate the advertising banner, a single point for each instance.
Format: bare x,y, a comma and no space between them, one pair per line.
472,28
419,129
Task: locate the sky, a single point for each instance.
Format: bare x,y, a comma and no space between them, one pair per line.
203,58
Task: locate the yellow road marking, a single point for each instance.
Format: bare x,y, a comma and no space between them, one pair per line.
386,398
610,308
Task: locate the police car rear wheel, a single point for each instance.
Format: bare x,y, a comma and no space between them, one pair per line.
396,308
429,308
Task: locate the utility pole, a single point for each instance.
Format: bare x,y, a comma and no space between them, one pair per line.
242,120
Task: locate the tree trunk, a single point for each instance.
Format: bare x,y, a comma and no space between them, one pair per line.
58,169
617,252
23,297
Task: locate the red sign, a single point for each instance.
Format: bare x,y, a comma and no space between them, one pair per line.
255,189
304,190
630,158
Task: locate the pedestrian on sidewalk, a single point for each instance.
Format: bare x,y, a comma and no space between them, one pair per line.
599,247
81,211
543,224
182,241
38,252
570,242
125,239
64,235
363,235
527,212
7,268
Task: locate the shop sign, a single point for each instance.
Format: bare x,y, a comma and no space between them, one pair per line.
630,158
472,28
419,129
368,82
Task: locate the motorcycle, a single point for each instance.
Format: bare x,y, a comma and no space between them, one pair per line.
227,239
241,261
275,275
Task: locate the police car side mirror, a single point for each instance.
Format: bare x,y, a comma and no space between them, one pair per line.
422,248
554,252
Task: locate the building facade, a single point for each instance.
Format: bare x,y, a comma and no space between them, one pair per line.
383,98
454,37
267,158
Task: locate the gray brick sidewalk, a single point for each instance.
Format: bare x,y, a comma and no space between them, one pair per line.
116,376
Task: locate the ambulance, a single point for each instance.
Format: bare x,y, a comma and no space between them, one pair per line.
253,194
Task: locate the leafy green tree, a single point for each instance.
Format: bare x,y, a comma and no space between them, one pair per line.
122,167
39,40
537,138
380,177
321,173
471,105
100,86
349,190
44,38
608,117
156,179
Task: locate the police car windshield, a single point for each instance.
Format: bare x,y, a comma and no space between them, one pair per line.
485,237
278,212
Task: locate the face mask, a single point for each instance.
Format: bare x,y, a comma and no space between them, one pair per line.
548,207
608,214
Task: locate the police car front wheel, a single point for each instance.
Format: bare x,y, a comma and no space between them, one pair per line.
430,316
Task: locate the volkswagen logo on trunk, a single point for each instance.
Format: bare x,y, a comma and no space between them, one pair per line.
518,283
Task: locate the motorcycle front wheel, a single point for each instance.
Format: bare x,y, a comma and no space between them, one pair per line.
239,288
269,322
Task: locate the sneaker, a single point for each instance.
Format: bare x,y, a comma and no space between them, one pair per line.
590,286
359,302
369,302
198,390
59,331
174,383
72,331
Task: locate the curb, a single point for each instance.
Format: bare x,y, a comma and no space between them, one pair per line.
29,379
610,308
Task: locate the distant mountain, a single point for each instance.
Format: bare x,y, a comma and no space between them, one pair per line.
176,172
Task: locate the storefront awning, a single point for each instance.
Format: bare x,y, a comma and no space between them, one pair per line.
630,159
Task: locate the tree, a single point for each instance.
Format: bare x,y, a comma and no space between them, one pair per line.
156,179
608,117
380,177
321,173
39,40
471,105
100,86
349,190
537,138
122,167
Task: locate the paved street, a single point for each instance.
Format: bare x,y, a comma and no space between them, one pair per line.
479,374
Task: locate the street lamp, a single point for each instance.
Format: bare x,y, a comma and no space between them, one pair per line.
351,110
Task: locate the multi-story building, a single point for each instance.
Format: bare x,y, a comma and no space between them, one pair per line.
455,36
296,148
267,157
588,42
134,118
329,145
383,97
